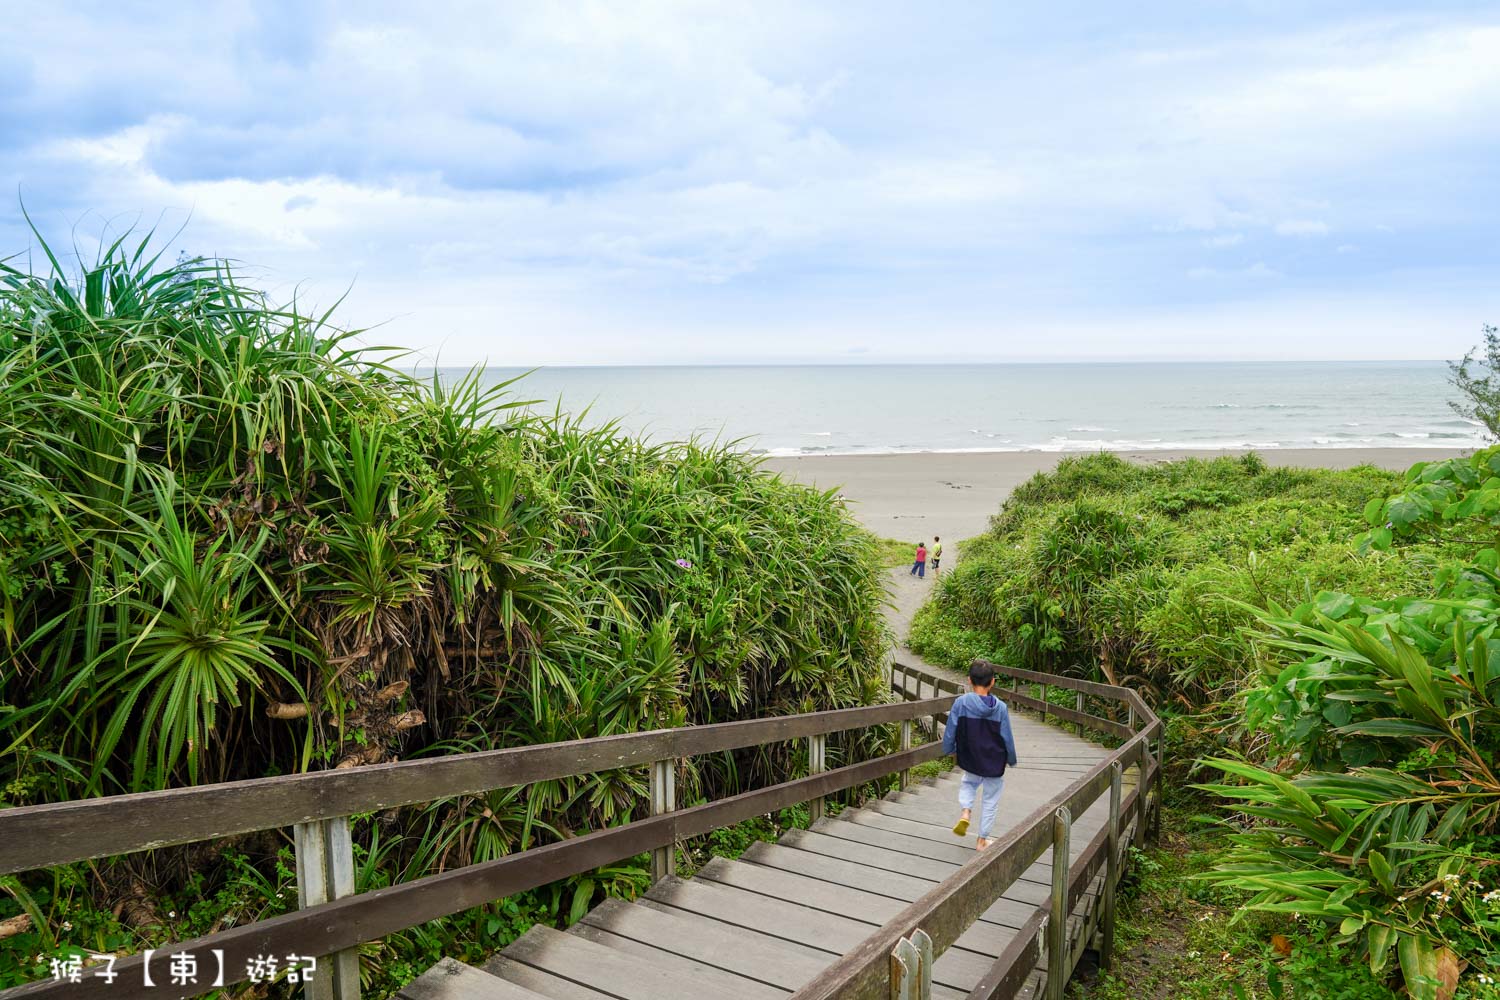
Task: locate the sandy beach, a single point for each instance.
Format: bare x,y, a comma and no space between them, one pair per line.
922,494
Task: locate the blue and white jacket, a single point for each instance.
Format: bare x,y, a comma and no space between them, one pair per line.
978,731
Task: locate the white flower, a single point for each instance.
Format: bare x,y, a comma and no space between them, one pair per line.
171,914
67,925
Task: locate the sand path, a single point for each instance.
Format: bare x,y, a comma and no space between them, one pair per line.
913,496
907,595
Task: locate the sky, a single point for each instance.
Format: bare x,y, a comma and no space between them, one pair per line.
656,182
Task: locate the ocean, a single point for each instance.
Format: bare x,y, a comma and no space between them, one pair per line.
875,409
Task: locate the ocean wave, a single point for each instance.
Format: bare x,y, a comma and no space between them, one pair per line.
1091,430
1065,445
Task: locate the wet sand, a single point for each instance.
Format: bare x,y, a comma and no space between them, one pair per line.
953,494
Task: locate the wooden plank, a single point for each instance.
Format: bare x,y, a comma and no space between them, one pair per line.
834,934
343,923
1015,964
623,975
453,980
690,968
755,956
868,907
1007,913
952,906
846,829
1038,873
865,848
59,833
939,819
830,933
875,856
543,983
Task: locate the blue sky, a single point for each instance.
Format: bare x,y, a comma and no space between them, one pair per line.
596,183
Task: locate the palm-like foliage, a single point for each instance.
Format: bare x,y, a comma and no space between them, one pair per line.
1398,849
235,542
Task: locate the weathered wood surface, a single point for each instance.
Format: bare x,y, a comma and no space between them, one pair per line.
341,924
780,916
64,832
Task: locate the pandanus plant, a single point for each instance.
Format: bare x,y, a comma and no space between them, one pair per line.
1391,853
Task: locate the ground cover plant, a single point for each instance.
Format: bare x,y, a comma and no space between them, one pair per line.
1118,571
1324,642
234,542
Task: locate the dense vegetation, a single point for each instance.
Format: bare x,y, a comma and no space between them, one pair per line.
1327,641
235,543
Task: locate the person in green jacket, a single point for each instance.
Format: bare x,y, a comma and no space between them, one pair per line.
937,554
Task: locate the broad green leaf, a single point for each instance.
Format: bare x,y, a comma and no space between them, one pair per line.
1418,966
1381,869
1381,937
1391,727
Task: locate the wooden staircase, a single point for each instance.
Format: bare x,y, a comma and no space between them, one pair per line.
768,923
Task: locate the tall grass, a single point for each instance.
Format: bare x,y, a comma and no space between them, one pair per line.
234,542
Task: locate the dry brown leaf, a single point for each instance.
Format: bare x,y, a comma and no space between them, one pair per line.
1282,945
1449,967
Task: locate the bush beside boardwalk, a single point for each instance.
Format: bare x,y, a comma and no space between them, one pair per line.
237,544
1324,639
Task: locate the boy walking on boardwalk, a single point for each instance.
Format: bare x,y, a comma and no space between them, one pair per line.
978,732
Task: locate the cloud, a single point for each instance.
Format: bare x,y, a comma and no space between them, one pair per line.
1301,227
575,181
1259,269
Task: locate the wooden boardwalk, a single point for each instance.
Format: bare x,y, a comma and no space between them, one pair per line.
766,924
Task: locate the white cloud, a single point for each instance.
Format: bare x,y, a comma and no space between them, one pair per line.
1257,270
1301,227
576,180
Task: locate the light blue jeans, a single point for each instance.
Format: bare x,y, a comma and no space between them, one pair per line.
992,787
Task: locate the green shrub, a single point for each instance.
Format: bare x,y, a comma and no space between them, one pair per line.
1143,573
234,543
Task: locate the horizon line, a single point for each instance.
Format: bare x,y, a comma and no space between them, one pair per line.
512,366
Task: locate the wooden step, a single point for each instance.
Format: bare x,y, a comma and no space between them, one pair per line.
619,974
453,980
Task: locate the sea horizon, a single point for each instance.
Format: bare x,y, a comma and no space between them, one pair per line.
787,410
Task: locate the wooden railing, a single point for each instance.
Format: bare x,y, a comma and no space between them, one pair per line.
333,920
881,966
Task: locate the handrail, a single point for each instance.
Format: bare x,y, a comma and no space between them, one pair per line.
57,833
45,835
951,907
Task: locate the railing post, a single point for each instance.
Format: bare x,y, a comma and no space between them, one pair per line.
911,967
1057,922
905,778
817,747
1161,746
325,872
1111,869
1044,688
1143,792
663,800
1078,703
